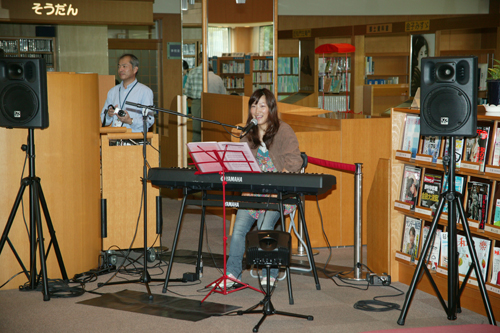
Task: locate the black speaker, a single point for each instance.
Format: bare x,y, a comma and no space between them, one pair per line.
268,247
23,93
448,96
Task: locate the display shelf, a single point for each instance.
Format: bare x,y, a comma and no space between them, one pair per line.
334,82
402,270
31,47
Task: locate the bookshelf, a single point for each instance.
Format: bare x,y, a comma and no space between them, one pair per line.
288,75
387,68
386,81
32,47
401,268
334,71
191,49
261,72
232,72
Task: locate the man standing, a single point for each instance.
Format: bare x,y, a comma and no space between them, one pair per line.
194,87
129,90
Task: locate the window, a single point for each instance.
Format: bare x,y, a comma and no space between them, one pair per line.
218,41
266,35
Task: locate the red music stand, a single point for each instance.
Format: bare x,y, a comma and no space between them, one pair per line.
223,161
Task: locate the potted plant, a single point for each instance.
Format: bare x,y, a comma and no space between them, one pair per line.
493,83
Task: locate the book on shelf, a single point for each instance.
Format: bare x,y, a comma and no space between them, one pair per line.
476,148
495,269
443,257
459,148
459,187
212,157
433,254
478,193
410,185
495,212
411,237
432,147
482,247
431,189
483,250
496,149
411,134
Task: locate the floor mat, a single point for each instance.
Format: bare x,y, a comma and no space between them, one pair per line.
161,305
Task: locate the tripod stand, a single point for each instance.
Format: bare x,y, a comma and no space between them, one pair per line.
267,305
454,293
36,199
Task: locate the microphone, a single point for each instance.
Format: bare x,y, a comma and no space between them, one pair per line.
247,129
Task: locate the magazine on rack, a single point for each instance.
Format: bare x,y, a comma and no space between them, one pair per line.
435,247
432,146
482,247
431,188
459,148
410,185
411,237
477,202
209,157
476,148
411,135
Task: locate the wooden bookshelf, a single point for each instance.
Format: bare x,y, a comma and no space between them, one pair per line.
388,65
232,72
288,75
261,74
402,270
31,47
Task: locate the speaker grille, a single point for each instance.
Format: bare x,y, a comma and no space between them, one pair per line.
19,103
447,109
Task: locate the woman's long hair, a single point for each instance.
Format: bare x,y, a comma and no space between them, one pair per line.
273,122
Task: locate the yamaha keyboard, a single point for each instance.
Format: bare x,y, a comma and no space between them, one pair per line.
266,182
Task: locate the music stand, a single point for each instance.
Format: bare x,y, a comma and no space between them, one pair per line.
454,293
217,161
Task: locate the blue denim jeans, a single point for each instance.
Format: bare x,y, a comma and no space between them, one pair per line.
242,225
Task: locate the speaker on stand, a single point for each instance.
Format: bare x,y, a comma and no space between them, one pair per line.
23,104
448,107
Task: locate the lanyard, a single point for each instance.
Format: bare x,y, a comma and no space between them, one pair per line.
119,95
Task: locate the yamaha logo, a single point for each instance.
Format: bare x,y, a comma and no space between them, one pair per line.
232,204
17,114
444,121
233,179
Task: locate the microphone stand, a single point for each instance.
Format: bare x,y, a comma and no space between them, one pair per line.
145,277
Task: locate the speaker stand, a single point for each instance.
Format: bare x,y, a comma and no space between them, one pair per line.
454,292
36,199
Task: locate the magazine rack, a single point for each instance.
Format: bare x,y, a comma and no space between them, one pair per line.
223,161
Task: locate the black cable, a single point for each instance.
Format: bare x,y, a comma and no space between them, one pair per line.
375,305
3,285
